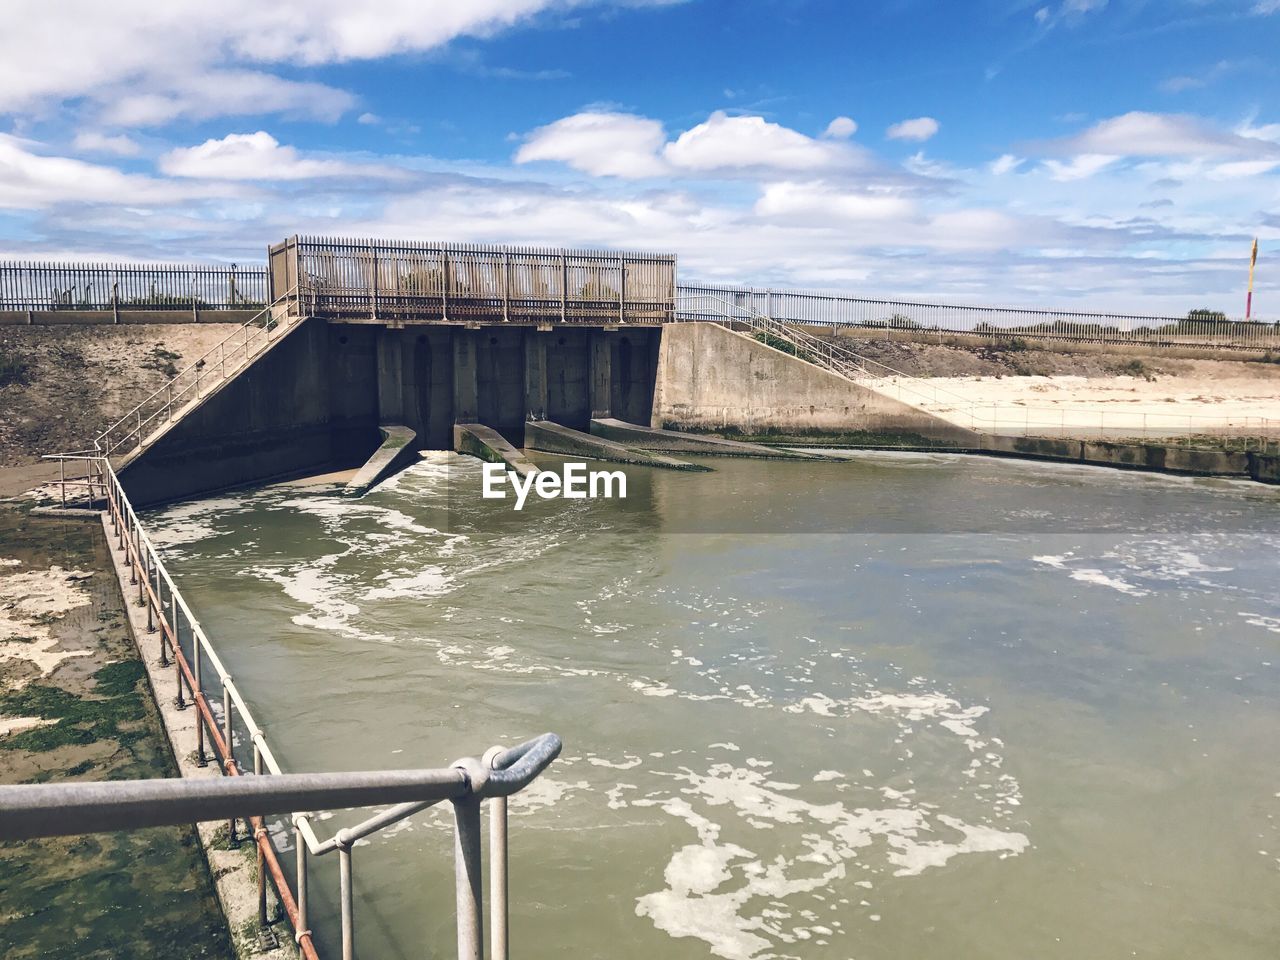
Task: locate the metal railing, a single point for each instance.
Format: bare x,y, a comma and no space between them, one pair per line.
224,720
447,282
217,365
48,285
1198,329
1261,434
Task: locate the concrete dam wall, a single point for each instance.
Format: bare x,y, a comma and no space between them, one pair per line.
714,379
315,402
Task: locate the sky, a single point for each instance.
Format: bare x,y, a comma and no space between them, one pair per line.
1108,154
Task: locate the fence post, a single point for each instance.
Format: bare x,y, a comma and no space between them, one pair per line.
348,903
115,301
466,857
497,868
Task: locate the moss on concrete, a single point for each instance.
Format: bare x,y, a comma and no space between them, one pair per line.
144,893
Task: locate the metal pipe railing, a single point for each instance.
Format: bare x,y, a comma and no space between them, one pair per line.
468,781
1199,328
201,375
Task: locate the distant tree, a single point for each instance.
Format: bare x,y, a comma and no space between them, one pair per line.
1206,315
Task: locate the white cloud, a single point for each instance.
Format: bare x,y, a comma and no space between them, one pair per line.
841,128
258,156
626,145
1140,134
220,93
1006,163
1237,169
1265,7
1079,168
1268,131
723,142
919,129
146,62
30,180
601,144
816,201
90,141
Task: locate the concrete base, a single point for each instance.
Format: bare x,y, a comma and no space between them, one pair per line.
1159,458
674,441
714,379
477,440
552,438
394,454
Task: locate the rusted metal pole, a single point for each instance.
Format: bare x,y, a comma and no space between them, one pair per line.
300,847
229,757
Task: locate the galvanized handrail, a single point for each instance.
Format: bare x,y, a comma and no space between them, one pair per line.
214,366
501,772
986,320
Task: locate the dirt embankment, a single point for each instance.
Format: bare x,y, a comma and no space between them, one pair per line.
60,386
1016,358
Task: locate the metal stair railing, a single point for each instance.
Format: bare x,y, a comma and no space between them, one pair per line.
223,715
214,367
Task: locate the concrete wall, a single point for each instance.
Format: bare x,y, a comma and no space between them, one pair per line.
710,378
273,421
315,402
88,318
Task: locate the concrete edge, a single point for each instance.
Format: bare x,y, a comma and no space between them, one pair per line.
234,871
485,443
552,437
394,454
673,441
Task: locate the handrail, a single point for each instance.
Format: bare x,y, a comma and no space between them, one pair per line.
70,809
469,781
824,308
239,354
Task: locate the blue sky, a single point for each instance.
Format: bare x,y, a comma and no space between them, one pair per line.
1108,153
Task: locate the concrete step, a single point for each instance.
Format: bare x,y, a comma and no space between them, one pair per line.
553,438
394,454
486,443
675,441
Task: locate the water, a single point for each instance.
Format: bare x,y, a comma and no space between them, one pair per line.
902,707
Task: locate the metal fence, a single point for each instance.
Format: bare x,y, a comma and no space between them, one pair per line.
1197,329
228,735
130,286
390,280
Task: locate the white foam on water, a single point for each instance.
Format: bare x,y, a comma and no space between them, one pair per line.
1090,575
736,901
426,583
1261,620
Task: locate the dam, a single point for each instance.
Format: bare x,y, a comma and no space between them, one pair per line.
806,689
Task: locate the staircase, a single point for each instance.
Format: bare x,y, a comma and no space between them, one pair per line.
126,439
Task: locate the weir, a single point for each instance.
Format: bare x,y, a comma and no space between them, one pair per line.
364,344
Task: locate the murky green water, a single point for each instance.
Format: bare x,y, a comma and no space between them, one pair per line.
981,708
